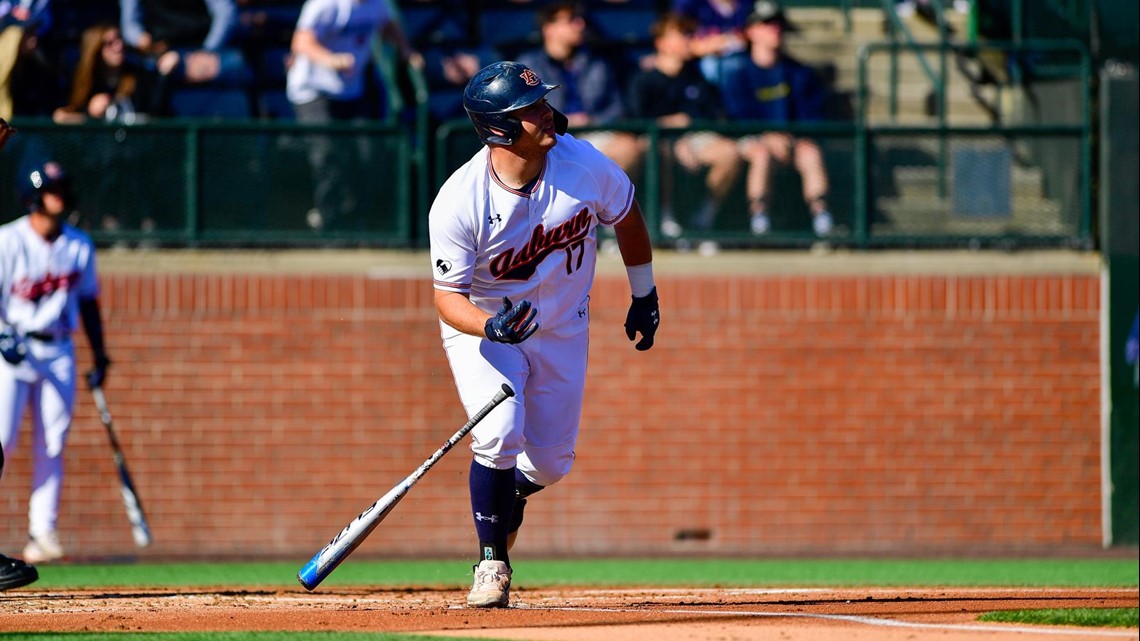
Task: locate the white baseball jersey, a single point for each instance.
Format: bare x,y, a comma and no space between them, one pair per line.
489,240
41,282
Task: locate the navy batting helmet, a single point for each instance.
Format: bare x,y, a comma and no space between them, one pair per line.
41,178
496,90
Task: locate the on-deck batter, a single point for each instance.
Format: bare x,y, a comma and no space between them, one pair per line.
47,283
513,248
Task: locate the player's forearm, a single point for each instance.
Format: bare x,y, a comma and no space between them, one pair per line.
93,327
459,312
305,43
633,238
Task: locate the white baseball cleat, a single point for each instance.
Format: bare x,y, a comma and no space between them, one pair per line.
492,587
43,548
760,224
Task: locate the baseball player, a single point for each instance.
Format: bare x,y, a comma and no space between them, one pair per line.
14,573
513,247
47,283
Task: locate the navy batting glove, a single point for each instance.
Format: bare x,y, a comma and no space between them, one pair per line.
11,347
644,315
96,375
513,324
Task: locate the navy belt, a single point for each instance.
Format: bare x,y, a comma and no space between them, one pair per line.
45,337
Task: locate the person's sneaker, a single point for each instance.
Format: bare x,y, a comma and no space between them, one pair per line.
708,248
821,223
492,587
516,521
670,228
43,548
760,224
15,573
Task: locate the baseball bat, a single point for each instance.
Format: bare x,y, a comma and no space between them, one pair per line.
324,562
139,528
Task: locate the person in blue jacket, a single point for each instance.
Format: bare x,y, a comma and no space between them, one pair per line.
766,84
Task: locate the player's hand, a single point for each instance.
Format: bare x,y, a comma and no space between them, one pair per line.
513,324
644,315
6,132
96,375
12,348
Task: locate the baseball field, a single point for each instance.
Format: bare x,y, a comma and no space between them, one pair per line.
587,600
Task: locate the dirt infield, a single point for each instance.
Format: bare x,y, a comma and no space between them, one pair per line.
894,614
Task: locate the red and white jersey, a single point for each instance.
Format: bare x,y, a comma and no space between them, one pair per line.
489,240
41,282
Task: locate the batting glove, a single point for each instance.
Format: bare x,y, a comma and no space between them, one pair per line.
644,315
96,375
513,324
11,347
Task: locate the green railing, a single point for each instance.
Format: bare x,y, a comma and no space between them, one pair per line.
190,184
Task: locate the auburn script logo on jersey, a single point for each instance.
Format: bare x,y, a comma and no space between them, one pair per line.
521,264
35,290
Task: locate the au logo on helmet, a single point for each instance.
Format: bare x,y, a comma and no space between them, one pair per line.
530,78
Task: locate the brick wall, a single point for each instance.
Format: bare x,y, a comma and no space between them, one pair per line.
778,414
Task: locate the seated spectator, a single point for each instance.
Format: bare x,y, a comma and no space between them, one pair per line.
107,84
27,76
765,84
326,83
675,93
589,96
188,41
720,30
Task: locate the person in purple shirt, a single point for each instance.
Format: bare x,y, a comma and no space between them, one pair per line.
765,84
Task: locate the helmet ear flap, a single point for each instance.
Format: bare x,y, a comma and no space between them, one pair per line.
561,122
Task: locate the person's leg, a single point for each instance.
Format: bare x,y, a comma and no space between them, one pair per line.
479,368
553,414
759,160
14,573
809,162
719,154
320,148
10,39
52,400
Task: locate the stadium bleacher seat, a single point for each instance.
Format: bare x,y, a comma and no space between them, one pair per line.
431,23
507,28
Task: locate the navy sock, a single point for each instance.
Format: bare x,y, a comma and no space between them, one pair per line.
492,501
524,486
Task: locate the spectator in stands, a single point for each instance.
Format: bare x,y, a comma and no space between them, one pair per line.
675,93
765,84
110,85
720,30
326,83
107,83
28,84
188,40
589,94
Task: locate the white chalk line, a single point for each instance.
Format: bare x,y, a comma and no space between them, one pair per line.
889,623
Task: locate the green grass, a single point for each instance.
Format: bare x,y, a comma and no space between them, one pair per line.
621,572
1091,617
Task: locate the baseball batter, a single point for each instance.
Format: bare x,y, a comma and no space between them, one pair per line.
513,248
47,283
